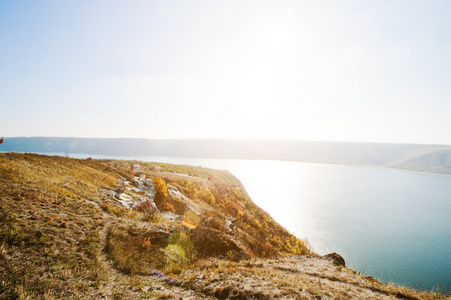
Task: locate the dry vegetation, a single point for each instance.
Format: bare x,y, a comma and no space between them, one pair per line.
290,277
65,235
49,228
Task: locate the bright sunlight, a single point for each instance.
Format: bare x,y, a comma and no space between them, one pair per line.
276,36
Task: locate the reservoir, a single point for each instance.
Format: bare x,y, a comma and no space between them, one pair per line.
392,224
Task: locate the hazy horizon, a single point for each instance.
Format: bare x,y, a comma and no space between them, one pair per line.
328,71
225,139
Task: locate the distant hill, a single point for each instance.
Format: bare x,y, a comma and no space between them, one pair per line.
430,158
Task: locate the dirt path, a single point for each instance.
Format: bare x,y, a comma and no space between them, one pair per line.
116,282
109,272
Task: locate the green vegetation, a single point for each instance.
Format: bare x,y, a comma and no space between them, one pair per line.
178,253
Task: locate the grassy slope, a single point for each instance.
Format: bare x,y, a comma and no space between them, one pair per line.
63,234
49,231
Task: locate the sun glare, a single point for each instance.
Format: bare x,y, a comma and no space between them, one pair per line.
276,36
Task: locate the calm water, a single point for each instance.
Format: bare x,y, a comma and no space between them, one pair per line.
394,225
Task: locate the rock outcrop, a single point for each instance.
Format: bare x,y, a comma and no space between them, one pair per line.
336,258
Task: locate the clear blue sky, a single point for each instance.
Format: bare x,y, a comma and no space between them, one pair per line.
373,71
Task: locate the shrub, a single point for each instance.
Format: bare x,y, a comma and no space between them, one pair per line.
147,208
178,206
160,189
134,250
114,209
161,194
182,240
178,252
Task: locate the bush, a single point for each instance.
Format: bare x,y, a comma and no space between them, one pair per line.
182,240
148,209
178,206
134,250
178,252
161,194
114,209
160,189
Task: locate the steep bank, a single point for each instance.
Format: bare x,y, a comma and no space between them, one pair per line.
90,229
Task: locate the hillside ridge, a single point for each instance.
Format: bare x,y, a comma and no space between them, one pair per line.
111,229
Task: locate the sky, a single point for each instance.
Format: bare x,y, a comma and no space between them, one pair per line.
362,71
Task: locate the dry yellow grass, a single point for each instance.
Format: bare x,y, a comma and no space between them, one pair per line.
64,235
290,277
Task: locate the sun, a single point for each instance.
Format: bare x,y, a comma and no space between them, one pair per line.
276,36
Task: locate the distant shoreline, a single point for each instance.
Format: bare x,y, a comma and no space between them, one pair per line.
138,158
425,158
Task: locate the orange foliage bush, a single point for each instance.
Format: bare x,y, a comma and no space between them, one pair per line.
161,194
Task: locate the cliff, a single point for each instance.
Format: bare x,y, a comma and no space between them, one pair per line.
109,229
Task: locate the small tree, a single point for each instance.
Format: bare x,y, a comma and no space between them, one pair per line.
160,188
161,193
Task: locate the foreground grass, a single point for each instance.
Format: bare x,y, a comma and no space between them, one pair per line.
49,232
